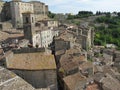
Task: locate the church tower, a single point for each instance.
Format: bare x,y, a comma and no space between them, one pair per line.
28,26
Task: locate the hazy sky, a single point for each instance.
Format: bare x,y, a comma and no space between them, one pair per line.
73,6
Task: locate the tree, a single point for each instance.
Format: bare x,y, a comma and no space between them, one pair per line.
70,16
84,13
51,15
110,34
118,14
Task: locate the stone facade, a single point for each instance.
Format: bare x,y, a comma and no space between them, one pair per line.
43,38
86,35
40,10
13,11
17,8
37,68
10,81
40,79
6,12
49,23
40,36
47,38
5,25
1,10
28,21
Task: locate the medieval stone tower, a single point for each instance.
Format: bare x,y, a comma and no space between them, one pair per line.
28,26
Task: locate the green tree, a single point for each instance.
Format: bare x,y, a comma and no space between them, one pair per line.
51,15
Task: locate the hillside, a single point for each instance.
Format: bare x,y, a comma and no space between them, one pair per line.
107,30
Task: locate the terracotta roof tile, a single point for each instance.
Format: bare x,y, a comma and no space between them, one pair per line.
16,35
72,51
64,59
93,87
110,83
3,35
75,81
69,66
9,81
1,51
86,65
79,59
31,61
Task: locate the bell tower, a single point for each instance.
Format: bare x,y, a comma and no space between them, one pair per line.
28,25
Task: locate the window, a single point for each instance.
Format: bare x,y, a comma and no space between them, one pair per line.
32,20
27,21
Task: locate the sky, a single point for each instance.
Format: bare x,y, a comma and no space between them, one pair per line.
73,6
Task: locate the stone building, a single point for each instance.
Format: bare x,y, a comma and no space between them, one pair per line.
60,46
17,8
10,81
5,26
74,82
43,38
40,10
85,36
39,35
13,11
28,21
1,9
37,68
6,12
50,23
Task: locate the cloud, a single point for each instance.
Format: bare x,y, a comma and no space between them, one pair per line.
73,6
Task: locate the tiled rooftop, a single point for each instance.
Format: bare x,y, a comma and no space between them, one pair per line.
1,51
10,34
71,60
15,35
69,66
86,65
93,87
64,59
72,55
31,61
3,35
66,36
9,81
75,81
72,51
110,82
79,59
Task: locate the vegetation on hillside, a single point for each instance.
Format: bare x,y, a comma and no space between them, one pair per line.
81,14
108,30
107,27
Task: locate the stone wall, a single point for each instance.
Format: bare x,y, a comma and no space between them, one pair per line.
39,17
5,26
17,8
1,10
28,50
60,44
39,79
